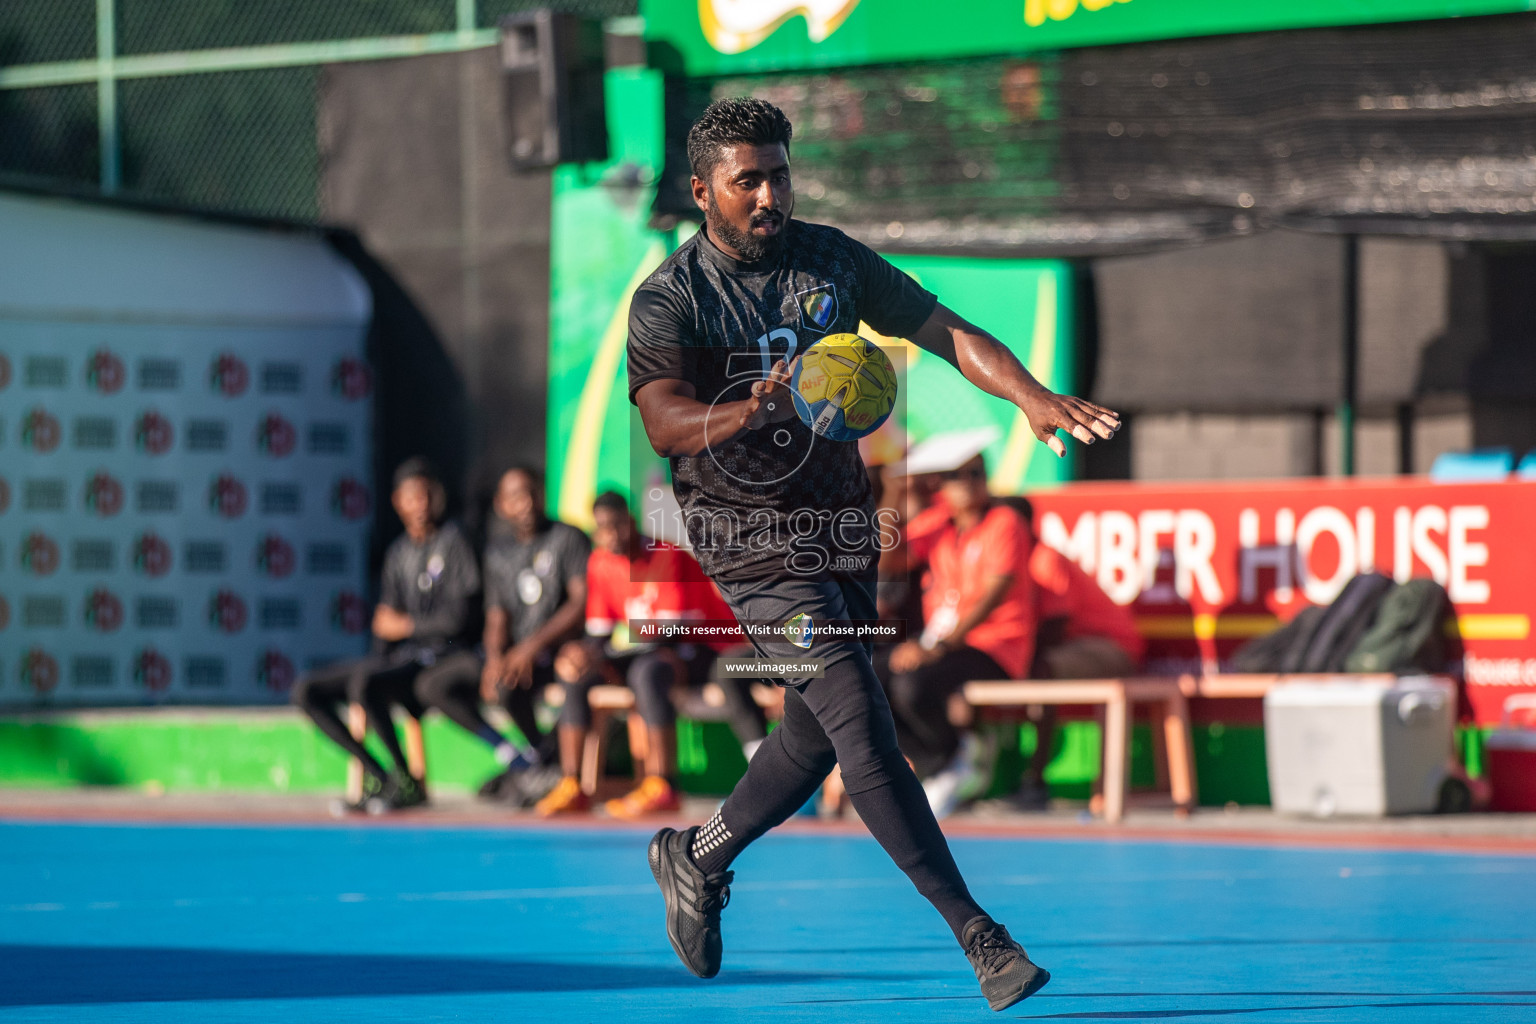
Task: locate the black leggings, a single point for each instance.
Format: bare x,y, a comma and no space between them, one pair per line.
841,718
649,674
374,682
453,687
920,703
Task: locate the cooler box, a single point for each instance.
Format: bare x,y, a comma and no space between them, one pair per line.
1510,756
1347,745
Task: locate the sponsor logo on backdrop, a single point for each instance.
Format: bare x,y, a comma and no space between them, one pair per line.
207,435
159,374
43,611
1037,11
348,613
47,372
103,495
204,672
349,499
732,26
151,554
95,432
5,494
105,373
5,613
39,670
227,496
39,554
91,670
275,436
103,610
228,375
89,554
227,612
282,378
351,378
152,670
40,430
274,671
5,372
153,433
275,557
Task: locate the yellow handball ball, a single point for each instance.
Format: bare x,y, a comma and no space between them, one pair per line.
847,386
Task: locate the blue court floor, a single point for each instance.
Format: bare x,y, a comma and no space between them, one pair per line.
176,923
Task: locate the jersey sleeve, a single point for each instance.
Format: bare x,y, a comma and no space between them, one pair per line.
889,301
574,552
391,591
660,339
604,605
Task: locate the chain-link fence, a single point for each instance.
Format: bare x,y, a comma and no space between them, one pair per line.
237,137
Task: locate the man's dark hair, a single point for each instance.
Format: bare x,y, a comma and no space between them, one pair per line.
734,122
611,500
1022,506
417,468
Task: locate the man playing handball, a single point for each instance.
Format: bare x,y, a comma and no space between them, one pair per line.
784,521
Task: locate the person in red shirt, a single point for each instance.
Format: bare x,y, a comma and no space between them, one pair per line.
631,578
1083,634
979,610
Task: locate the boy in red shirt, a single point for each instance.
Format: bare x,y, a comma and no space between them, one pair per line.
631,578
979,609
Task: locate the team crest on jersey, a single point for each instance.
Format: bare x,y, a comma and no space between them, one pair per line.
818,307
799,630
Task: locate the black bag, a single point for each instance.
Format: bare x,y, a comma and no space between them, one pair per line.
1352,613
1281,649
1409,633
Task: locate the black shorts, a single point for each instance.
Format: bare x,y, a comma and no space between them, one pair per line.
781,599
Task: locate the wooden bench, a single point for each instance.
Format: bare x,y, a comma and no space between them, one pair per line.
1171,738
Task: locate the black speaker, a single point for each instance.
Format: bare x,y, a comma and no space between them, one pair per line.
552,64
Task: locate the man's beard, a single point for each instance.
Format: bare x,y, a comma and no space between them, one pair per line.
749,247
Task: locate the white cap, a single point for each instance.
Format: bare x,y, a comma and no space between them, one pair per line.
942,453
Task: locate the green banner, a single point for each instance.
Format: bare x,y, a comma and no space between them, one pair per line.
714,37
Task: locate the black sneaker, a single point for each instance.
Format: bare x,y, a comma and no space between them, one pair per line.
400,792
373,788
1001,965
694,901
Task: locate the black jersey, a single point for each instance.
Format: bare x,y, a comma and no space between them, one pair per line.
435,583
530,579
780,498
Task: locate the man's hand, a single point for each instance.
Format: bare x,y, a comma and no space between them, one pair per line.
390,624
490,679
770,401
911,656
517,666
573,661
1049,412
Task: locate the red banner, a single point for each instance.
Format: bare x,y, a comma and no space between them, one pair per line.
1211,565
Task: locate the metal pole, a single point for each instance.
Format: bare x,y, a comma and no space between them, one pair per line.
106,96
1351,368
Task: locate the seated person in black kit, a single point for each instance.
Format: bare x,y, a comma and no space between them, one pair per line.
425,612
535,598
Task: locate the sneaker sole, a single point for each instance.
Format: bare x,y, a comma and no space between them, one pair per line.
1035,983
668,886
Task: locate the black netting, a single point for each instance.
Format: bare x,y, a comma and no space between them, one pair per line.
1433,124
50,133
40,31
241,141
157,26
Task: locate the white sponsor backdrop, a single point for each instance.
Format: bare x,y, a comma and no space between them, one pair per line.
184,507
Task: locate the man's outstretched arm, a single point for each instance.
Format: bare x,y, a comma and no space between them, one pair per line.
677,423
988,364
